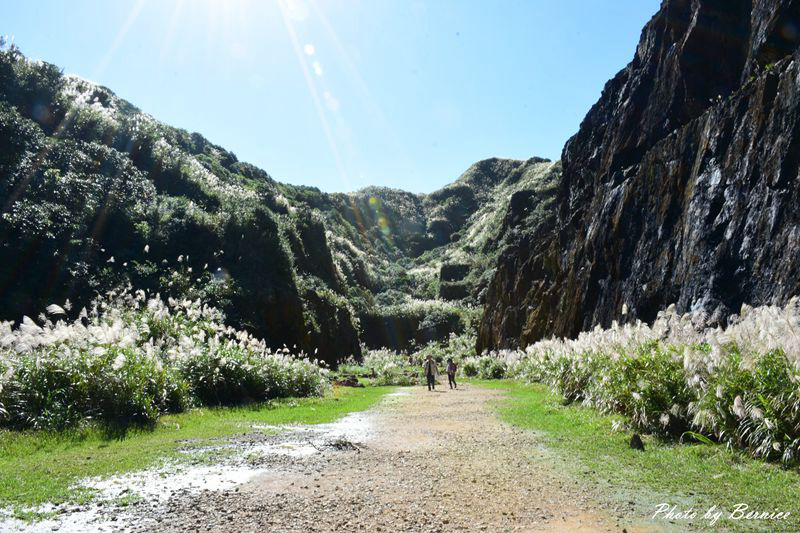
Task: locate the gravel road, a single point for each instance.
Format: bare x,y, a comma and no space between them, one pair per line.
434,461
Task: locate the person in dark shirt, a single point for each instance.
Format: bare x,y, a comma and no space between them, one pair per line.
451,373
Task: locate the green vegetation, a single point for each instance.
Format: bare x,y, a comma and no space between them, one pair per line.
690,475
736,386
383,367
132,358
38,467
484,367
387,367
101,195
490,191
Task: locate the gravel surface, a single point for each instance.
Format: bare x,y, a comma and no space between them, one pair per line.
438,461
421,461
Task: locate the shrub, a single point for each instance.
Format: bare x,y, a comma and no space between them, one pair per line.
470,367
752,404
390,368
484,367
61,388
571,377
738,386
647,384
492,368
131,358
458,346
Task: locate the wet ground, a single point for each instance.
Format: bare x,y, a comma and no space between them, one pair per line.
125,502
420,461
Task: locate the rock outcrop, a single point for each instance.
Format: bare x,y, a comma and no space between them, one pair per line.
681,185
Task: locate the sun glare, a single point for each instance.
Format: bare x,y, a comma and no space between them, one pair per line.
236,26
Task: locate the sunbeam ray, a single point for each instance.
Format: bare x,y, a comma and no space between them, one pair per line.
286,7
121,34
358,80
169,35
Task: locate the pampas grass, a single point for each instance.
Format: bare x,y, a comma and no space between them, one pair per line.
739,385
130,358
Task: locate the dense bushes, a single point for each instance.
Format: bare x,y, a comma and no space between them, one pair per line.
99,194
484,367
458,347
739,386
753,404
120,386
232,375
405,323
389,368
130,359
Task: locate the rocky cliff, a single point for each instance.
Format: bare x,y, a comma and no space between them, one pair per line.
681,185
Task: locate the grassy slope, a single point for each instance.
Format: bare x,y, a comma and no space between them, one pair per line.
37,467
689,476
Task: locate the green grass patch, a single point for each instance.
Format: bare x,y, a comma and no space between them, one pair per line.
39,467
696,476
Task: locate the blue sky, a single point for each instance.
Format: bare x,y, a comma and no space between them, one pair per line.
340,94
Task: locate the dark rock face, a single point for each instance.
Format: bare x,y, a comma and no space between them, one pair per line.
332,336
453,271
453,290
526,267
681,185
402,332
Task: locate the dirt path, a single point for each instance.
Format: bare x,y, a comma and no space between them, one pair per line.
435,462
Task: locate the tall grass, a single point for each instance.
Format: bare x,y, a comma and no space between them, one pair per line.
384,367
131,358
739,385
388,367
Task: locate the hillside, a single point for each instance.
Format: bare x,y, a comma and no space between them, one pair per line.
681,185
99,195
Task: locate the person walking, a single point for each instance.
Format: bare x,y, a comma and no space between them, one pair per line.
431,371
451,373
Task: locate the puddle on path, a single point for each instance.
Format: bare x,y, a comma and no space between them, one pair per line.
233,463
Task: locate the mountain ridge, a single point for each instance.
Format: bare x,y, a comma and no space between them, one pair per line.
98,193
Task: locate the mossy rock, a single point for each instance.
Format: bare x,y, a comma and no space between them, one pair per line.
453,290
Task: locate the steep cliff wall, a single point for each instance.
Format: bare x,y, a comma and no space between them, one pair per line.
681,185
